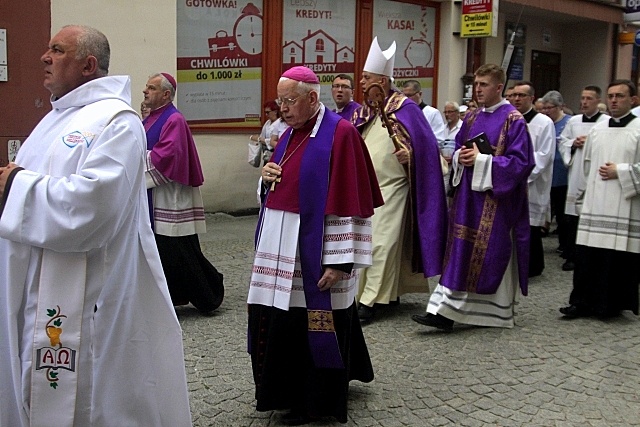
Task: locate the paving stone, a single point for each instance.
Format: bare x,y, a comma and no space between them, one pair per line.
544,372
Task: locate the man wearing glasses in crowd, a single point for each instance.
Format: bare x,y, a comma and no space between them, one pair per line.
342,93
543,138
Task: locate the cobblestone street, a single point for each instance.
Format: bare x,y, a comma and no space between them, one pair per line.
544,372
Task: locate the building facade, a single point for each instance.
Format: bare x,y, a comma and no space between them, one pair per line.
229,54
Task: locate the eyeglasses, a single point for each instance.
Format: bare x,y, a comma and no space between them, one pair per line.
288,101
343,87
267,111
450,111
549,107
409,95
519,95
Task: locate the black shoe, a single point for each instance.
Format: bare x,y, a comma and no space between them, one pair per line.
573,311
366,313
435,321
396,302
568,266
294,418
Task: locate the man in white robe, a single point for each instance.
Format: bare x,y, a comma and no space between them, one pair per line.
543,137
605,279
571,149
89,335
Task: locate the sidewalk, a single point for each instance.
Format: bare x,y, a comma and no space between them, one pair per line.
544,372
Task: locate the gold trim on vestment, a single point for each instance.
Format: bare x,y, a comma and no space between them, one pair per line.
480,237
321,321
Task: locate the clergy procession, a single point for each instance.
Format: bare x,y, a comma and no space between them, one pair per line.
363,207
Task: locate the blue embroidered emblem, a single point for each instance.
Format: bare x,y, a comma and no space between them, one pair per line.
76,137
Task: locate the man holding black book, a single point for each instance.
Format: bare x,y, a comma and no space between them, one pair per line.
487,254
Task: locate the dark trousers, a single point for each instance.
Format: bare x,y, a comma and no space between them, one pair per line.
536,252
571,221
558,200
605,281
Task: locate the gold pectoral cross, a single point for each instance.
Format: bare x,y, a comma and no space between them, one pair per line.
274,182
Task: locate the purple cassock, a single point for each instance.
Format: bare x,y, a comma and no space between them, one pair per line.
348,110
428,200
481,224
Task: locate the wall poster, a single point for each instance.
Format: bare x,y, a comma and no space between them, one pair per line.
219,44
320,34
413,27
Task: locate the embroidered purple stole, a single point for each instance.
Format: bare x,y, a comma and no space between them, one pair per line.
153,136
312,193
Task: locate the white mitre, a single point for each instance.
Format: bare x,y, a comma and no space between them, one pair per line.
379,61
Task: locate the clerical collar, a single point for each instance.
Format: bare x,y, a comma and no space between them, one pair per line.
622,121
592,119
495,107
529,115
313,123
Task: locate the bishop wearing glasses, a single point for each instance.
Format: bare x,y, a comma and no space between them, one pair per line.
313,234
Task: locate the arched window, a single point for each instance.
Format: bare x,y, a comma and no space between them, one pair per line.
319,45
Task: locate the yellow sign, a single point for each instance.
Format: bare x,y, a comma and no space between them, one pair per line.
479,18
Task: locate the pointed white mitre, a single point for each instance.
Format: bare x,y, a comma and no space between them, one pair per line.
379,61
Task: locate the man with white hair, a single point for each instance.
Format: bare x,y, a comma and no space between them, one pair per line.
553,102
409,230
454,123
452,116
174,177
314,233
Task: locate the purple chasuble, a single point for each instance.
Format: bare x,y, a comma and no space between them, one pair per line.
481,224
313,191
427,196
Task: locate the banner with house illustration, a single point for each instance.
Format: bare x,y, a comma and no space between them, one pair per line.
219,46
320,34
413,28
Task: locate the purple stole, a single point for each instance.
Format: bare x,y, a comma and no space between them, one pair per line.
347,111
312,193
153,136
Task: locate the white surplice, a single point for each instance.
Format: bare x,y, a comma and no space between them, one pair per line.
543,137
610,217
573,159
82,202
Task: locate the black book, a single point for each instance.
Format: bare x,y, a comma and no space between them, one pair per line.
482,142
